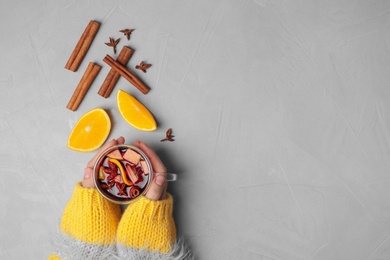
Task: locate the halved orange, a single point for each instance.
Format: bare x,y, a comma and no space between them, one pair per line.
135,113
90,132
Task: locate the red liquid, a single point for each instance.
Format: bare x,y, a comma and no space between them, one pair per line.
123,175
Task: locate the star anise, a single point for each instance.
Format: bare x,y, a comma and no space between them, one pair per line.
113,43
143,66
127,32
168,136
121,188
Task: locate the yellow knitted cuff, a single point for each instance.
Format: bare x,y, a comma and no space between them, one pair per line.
90,218
148,224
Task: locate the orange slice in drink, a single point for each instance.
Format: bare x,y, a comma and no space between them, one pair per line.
125,179
90,132
135,113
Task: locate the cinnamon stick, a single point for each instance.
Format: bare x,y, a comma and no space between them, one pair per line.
113,76
83,86
82,46
126,74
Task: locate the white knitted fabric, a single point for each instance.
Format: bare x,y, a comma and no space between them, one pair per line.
179,251
67,247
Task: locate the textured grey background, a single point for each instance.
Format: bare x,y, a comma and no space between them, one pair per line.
280,110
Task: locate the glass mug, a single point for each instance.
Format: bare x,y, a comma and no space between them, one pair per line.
123,173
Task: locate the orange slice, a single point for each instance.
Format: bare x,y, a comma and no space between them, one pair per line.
135,113
125,179
90,131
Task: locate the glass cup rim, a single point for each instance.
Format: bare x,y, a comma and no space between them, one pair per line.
95,174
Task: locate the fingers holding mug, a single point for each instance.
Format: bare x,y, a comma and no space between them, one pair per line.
158,187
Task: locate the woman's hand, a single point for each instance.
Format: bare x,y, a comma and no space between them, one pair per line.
157,190
87,181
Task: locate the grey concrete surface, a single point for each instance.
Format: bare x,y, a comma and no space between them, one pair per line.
280,111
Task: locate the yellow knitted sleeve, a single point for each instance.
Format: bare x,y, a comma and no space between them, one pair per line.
90,218
88,226
148,224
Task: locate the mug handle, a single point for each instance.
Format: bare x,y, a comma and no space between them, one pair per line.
171,176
